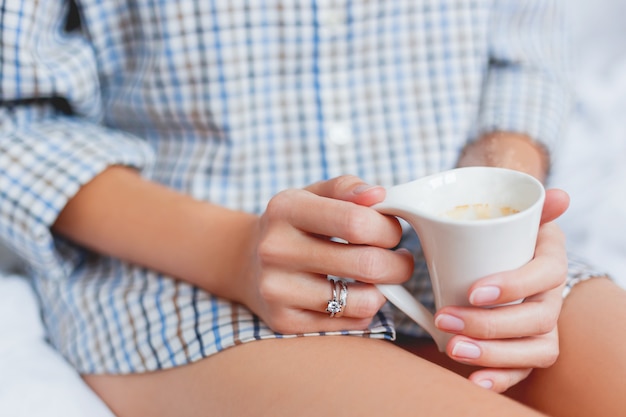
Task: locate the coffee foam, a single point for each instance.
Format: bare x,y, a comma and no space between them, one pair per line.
478,212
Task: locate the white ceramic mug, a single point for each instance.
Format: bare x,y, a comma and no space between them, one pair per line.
471,222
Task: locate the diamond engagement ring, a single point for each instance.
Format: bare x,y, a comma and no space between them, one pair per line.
336,305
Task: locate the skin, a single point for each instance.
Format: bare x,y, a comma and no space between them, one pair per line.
286,251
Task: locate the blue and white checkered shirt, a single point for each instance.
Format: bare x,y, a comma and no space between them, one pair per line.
231,102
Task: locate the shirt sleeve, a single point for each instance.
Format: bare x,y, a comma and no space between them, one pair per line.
52,140
528,86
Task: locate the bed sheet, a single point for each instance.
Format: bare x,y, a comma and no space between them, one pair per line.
36,382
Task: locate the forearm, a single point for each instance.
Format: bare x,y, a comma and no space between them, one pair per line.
120,214
507,150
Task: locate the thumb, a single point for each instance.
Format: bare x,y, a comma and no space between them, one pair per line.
349,188
557,201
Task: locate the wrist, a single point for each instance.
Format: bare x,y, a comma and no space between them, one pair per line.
508,150
223,255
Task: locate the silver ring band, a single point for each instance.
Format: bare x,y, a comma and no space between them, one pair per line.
334,305
343,296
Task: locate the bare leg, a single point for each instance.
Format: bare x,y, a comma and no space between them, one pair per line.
338,376
354,376
588,378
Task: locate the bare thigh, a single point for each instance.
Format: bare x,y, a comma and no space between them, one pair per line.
588,377
338,376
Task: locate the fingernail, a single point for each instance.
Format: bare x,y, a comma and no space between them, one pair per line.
362,188
404,250
466,350
450,323
484,295
485,383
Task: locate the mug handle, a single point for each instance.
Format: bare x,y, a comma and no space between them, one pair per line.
402,298
397,294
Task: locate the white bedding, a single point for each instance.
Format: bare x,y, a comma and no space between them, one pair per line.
35,381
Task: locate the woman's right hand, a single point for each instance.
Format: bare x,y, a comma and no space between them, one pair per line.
286,281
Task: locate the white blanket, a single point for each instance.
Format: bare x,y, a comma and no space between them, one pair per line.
36,382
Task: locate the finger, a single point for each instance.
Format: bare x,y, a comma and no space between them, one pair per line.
349,188
368,264
313,292
499,380
535,316
298,304
362,300
546,271
528,352
556,202
298,321
329,217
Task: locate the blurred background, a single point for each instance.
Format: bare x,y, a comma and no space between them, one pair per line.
592,163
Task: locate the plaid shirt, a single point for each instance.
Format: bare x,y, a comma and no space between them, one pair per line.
233,101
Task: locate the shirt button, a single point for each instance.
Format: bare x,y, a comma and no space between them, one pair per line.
340,133
332,18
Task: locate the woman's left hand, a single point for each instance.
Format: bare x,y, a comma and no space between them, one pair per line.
509,341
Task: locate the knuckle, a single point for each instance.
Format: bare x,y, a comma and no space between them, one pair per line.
503,379
550,350
545,326
550,357
267,250
275,247
515,377
270,290
282,322
563,273
370,263
343,182
355,223
362,324
280,203
282,327
547,321
489,328
560,272
508,381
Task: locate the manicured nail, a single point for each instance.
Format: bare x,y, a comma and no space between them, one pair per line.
363,188
449,323
484,295
466,350
485,383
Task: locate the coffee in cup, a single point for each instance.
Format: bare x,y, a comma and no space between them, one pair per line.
478,211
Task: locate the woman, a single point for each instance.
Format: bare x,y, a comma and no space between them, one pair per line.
173,174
